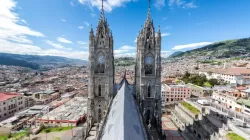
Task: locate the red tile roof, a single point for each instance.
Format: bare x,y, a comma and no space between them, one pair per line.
6,96
230,71
241,88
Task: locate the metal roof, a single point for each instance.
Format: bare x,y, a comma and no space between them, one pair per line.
123,121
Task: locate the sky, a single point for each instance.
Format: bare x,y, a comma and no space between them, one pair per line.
61,27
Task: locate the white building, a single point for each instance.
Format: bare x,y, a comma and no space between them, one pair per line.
245,105
227,99
236,75
10,103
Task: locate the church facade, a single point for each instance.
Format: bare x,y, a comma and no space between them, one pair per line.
103,93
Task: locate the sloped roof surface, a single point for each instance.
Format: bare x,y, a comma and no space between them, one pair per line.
123,121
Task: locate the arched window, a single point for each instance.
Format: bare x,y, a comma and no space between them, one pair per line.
99,90
100,66
149,91
147,117
149,63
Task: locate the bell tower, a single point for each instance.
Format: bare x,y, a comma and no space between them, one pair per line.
101,70
148,72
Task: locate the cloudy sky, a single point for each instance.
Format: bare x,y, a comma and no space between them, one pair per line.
61,27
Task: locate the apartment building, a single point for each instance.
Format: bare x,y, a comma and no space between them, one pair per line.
198,91
172,94
10,103
235,75
45,97
245,104
227,98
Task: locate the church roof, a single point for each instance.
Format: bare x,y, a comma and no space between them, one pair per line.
123,121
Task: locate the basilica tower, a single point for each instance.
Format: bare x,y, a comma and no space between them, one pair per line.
101,71
148,72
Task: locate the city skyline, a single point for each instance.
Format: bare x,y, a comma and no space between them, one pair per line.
61,28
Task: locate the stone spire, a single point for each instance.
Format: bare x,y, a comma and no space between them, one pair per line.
103,27
149,13
102,12
91,30
159,31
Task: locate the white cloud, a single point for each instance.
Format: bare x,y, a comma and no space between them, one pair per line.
159,4
24,21
182,4
124,50
17,48
82,42
14,36
57,46
108,5
64,40
10,29
135,40
63,20
81,27
132,54
165,53
193,45
86,23
93,15
165,34
189,5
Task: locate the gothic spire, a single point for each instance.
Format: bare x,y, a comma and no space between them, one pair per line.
149,13
159,30
102,12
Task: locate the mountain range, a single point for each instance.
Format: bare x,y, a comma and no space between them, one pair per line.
37,62
223,49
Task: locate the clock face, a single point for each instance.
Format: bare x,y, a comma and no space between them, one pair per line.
101,59
148,60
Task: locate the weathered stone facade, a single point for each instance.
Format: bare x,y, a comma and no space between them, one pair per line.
148,72
101,71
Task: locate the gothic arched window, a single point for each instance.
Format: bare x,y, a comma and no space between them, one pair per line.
149,91
149,64
100,63
99,90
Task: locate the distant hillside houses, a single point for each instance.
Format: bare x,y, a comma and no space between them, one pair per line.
234,75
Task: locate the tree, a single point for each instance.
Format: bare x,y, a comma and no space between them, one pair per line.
186,75
9,135
42,126
213,82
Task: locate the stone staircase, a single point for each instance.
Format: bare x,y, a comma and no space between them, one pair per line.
92,133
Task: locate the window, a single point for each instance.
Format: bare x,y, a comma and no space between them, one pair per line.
100,90
149,91
100,63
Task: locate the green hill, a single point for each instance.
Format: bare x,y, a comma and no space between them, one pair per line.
124,61
223,49
175,54
38,62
